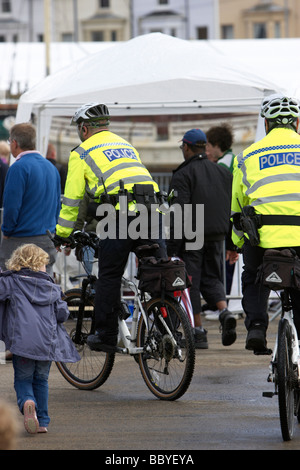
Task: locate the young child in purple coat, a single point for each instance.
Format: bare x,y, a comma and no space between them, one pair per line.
31,315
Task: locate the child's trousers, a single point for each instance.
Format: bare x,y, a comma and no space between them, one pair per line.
31,383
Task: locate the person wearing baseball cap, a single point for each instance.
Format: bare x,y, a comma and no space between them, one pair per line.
199,181
195,137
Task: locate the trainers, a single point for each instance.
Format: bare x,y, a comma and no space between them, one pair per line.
228,326
30,419
256,338
212,315
200,337
42,429
96,343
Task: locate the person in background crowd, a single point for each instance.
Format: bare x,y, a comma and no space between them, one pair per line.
88,223
52,157
199,181
31,199
9,426
219,143
218,150
4,165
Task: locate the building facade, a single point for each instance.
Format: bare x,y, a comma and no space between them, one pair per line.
259,19
120,20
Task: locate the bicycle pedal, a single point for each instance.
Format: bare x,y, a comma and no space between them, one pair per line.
268,394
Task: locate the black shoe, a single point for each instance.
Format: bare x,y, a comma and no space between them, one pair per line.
200,340
256,339
228,326
96,343
200,337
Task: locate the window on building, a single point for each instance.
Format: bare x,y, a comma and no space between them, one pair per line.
104,3
2,38
163,2
227,31
67,37
277,29
5,6
202,32
259,30
97,36
113,36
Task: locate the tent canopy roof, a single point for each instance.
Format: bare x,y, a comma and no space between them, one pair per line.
159,74
154,71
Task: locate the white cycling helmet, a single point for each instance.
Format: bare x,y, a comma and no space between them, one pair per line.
280,108
91,112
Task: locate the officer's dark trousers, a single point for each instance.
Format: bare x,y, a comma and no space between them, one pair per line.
205,269
113,256
255,295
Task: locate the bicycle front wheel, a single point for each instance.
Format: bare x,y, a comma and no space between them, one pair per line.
286,380
94,367
168,361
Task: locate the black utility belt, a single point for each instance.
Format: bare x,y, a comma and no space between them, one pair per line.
278,219
141,194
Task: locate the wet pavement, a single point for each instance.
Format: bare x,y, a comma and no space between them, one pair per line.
223,408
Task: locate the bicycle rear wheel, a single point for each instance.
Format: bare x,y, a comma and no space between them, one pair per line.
167,368
94,367
286,380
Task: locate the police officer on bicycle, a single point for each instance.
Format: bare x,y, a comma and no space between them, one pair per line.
266,207
106,167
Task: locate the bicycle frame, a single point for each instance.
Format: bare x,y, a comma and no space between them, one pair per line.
128,337
286,314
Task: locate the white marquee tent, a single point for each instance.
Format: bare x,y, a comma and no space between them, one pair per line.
150,74
159,74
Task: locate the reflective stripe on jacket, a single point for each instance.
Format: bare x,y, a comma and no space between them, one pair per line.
267,176
103,157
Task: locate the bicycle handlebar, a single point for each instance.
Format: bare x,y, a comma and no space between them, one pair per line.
75,240
91,239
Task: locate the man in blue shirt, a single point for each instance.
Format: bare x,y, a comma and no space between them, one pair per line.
31,200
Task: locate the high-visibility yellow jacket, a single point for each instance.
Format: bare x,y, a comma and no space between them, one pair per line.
267,176
102,158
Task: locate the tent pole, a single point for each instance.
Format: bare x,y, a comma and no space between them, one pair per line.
47,34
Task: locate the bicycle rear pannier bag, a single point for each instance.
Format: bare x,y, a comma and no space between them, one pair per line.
157,275
280,269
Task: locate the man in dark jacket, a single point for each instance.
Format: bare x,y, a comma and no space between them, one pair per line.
199,181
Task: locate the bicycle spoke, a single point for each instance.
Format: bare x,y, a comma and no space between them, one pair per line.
166,366
94,367
286,380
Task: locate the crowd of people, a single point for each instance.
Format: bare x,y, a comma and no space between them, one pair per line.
39,197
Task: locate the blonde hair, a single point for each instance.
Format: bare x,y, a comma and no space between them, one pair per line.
9,426
27,256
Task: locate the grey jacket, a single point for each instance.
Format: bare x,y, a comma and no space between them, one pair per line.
31,315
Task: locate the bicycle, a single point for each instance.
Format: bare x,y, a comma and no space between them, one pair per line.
160,338
284,370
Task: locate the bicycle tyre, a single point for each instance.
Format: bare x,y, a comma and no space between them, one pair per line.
94,367
166,374
286,380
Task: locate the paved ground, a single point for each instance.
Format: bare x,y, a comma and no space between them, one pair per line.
222,410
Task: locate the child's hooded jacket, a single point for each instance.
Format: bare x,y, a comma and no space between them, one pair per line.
32,313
